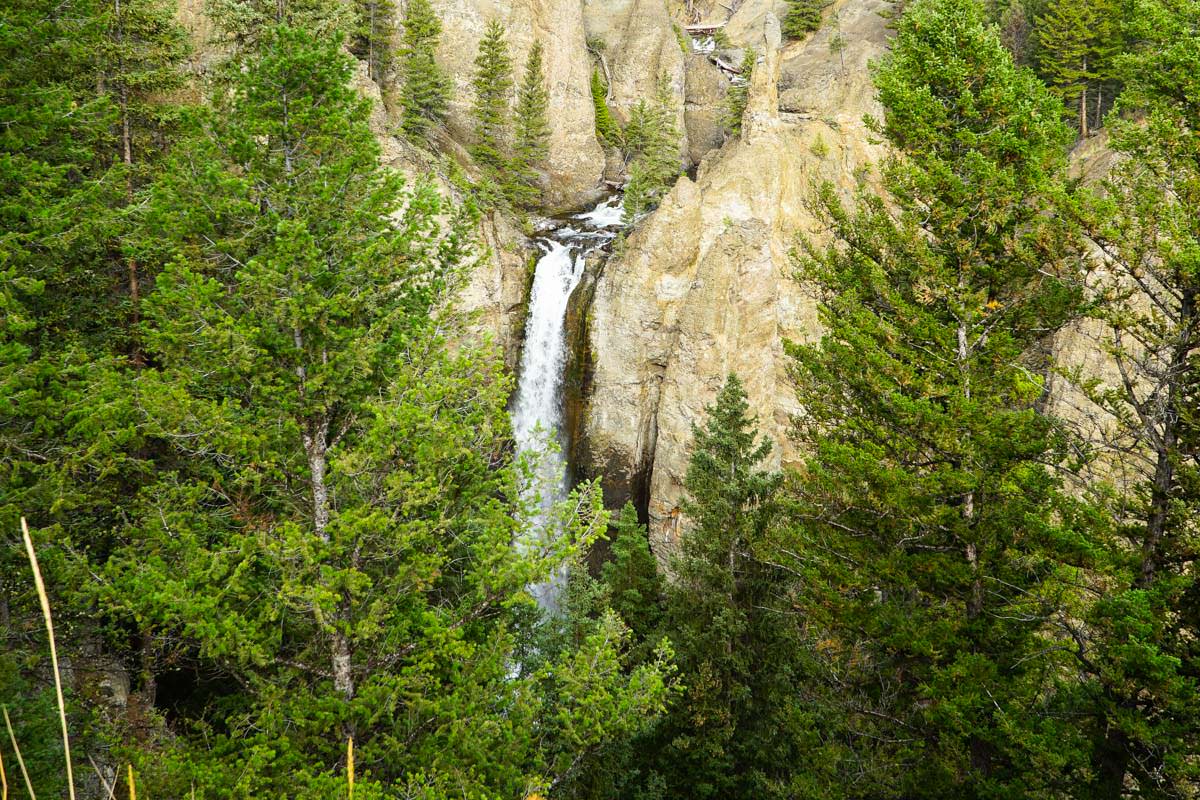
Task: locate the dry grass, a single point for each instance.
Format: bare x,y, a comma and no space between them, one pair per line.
17,751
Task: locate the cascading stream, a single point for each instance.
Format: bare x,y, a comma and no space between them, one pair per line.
537,412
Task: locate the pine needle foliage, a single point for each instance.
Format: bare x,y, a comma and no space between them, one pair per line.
424,88
493,88
531,138
948,545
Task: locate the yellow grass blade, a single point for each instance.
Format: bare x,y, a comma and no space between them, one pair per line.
62,706
350,767
3,779
132,785
12,737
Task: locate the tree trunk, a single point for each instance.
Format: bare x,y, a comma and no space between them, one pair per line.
975,604
131,266
1163,483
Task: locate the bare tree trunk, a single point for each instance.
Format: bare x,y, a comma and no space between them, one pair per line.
131,265
975,605
1162,485
1083,95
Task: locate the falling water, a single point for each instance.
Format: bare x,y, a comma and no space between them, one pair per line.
537,412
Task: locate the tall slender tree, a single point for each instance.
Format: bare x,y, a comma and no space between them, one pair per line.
493,84
531,139
651,140
424,88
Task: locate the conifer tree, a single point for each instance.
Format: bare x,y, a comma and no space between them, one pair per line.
935,539
424,88
1076,45
140,64
309,405
374,30
607,130
531,140
739,730
652,142
493,85
802,18
631,576
1136,648
739,93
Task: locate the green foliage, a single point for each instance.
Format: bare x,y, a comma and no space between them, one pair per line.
739,93
607,129
244,22
741,726
1137,650
935,546
802,18
631,577
651,140
424,88
493,85
373,35
531,140
1076,44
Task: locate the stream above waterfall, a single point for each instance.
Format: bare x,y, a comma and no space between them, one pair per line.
537,410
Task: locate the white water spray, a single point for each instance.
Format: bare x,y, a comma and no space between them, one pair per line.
537,413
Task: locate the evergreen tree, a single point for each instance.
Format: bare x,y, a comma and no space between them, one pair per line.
493,85
1076,44
1136,647
802,18
374,31
738,731
631,576
607,130
739,93
424,88
140,63
332,535
531,140
934,540
652,142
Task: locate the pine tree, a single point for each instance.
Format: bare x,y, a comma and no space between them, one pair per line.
607,130
1137,652
308,405
1077,42
374,31
493,85
739,729
140,64
531,140
424,88
802,18
935,541
739,93
1065,55
631,577
652,142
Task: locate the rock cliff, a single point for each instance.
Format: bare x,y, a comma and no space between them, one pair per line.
704,286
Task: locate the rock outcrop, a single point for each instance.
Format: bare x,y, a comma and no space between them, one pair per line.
705,287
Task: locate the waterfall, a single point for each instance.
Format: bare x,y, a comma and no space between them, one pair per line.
537,412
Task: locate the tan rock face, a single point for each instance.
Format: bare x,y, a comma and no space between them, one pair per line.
576,159
704,106
704,286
